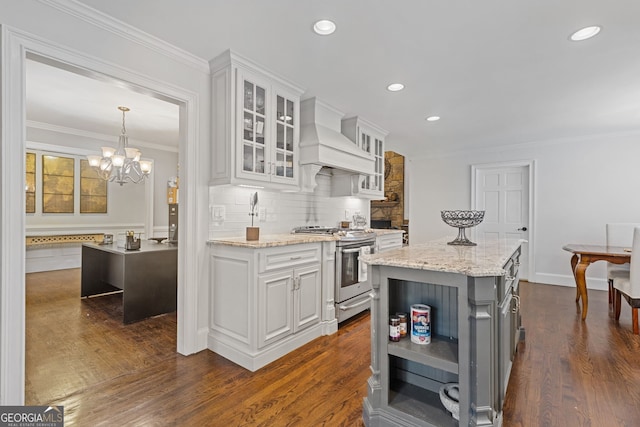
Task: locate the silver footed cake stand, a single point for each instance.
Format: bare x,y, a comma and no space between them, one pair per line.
462,220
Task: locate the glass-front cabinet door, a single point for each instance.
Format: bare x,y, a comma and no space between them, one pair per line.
254,127
286,133
375,146
269,131
377,183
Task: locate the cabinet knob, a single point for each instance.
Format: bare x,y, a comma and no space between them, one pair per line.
522,229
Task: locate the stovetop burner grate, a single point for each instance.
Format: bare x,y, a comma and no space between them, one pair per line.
315,229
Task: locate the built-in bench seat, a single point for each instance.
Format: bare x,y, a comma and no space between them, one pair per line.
42,241
56,251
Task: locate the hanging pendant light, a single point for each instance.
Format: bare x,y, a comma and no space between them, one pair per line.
121,164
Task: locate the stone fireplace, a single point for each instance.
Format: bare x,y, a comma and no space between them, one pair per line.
390,210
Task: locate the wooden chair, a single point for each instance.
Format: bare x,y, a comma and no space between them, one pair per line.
629,287
618,234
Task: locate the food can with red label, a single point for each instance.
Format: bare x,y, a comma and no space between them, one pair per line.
420,324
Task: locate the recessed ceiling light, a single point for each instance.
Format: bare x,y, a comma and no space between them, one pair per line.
585,33
324,27
433,118
394,87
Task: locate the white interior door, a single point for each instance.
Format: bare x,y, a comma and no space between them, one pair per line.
502,191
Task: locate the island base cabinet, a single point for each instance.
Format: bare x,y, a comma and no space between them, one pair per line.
472,339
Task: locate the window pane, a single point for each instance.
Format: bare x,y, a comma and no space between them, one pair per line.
93,190
280,136
260,166
260,100
260,130
289,139
280,113
57,184
289,116
247,159
248,95
289,166
30,183
248,126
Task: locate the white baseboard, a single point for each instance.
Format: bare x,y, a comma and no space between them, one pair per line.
203,335
254,360
595,283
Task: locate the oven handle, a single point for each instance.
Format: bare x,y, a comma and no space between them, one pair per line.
358,304
350,251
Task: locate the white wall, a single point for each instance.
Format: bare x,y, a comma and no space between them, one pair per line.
57,29
126,204
581,184
284,211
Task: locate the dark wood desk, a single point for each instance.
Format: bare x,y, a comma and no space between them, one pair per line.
583,255
147,277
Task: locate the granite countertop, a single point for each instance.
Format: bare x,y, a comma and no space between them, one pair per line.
381,231
272,240
485,259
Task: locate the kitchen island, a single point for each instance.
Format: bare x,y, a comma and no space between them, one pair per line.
475,327
147,277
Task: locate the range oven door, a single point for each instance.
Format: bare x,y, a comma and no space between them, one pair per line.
351,275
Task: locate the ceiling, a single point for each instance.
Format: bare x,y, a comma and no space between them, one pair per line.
66,99
498,72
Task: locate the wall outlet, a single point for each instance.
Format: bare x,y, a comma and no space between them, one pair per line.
262,214
347,214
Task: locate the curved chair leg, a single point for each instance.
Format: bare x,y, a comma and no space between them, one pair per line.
610,292
634,320
617,303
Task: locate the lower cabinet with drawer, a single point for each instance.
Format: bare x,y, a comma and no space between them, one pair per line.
265,302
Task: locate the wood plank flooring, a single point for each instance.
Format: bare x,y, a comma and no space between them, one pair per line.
80,355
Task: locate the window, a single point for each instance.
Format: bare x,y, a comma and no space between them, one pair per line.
93,190
30,184
57,184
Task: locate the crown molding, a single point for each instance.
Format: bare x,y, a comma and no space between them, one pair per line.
129,32
528,144
112,139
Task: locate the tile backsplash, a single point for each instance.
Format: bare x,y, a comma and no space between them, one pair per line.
279,212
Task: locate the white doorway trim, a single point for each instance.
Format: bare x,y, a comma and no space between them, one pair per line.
476,171
14,47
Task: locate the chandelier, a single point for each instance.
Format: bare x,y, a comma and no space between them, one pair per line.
121,164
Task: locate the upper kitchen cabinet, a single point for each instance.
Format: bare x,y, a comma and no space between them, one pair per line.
256,125
370,139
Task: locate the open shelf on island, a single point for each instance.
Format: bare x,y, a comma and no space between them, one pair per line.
441,353
422,404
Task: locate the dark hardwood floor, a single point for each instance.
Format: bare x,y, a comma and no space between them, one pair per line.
80,355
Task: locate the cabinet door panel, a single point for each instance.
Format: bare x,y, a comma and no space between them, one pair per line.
253,109
307,298
275,314
286,128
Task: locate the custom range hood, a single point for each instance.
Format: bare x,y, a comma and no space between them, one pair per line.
322,144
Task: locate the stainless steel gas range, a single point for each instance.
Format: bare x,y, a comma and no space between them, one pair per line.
352,284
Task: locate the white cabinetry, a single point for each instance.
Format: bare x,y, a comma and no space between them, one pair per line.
256,125
370,139
388,240
266,302
288,301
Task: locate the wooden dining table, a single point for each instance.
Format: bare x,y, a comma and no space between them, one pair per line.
583,255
